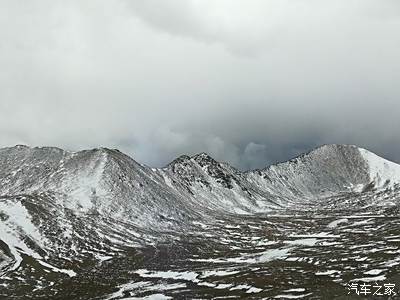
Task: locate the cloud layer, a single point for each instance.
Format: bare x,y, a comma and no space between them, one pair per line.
250,82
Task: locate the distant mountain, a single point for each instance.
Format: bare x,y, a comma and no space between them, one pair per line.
58,207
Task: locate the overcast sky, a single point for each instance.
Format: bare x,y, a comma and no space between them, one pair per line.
251,82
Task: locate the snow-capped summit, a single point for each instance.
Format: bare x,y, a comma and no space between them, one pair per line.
328,170
381,171
204,159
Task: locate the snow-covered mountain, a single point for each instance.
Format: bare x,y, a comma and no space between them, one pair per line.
329,170
59,207
110,182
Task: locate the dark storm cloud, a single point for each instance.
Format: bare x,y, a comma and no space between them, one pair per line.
250,82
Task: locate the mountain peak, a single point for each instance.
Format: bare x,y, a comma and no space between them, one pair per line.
202,155
183,159
204,159
326,148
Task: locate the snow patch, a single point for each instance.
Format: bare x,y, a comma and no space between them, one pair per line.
381,170
335,223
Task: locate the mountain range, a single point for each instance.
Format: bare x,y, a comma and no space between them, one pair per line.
59,208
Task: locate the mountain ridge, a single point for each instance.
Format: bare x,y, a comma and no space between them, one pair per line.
325,169
95,178
186,156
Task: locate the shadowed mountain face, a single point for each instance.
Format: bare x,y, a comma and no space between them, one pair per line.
63,214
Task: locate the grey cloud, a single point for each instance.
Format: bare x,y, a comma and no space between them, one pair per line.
254,153
250,82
